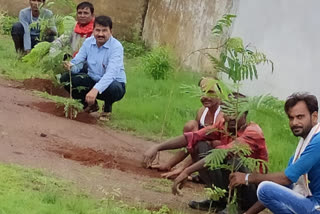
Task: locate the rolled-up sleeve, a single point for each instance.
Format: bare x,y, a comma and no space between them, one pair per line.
308,159
207,133
23,19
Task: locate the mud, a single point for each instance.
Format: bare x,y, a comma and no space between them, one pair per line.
91,157
45,85
52,108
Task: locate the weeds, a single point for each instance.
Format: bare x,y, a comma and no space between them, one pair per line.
158,63
71,106
132,50
6,23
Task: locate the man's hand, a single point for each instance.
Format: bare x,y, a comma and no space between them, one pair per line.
149,156
236,179
162,167
179,182
91,96
172,174
67,65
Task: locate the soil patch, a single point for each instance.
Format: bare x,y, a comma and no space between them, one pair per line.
52,108
91,157
45,85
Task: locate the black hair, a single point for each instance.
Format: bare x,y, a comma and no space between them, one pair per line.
85,4
309,99
105,21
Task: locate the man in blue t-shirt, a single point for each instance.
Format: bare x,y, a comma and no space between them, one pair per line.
24,37
297,189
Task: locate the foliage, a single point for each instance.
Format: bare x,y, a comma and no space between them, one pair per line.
71,106
64,24
238,156
132,50
224,22
37,53
215,193
236,60
6,22
158,63
241,152
54,62
239,62
62,7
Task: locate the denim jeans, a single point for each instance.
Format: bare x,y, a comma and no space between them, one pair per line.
280,199
17,33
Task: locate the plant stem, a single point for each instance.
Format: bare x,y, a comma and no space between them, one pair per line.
70,92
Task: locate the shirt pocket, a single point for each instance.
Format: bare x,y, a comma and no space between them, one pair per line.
92,64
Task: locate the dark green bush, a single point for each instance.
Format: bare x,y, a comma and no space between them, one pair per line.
6,23
132,49
158,63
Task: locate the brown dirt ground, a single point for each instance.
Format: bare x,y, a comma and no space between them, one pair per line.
34,133
104,162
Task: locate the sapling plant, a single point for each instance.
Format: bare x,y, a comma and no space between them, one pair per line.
238,62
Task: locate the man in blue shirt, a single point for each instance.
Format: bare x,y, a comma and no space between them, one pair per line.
106,78
297,189
25,38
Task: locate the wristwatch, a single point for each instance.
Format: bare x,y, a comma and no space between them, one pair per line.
247,179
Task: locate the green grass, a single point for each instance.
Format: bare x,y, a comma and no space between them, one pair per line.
155,108
11,65
280,141
33,192
158,109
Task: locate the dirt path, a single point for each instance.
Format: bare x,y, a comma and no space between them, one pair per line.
103,161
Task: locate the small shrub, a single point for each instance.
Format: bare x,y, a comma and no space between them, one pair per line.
132,50
37,53
158,63
6,23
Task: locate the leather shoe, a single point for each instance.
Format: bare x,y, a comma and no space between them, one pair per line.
207,205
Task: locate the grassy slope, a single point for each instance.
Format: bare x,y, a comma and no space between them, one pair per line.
158,109
31,191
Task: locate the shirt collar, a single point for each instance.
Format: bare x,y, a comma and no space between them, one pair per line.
106,45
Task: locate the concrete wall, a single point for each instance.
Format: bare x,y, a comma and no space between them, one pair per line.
185,25
14,6
127,15
290,37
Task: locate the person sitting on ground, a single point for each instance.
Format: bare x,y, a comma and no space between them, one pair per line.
297,189
106,78
25,38
198,147
82,30
207,115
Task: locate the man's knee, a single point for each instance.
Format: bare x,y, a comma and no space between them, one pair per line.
17,29
65,77
202,149
265,190
190,126
115,91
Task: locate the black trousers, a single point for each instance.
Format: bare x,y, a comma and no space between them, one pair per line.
113,93
246,195
17,32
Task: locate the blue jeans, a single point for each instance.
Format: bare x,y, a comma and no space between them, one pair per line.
280,199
